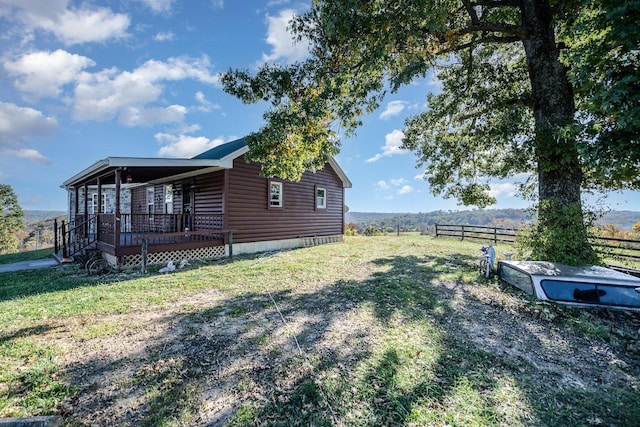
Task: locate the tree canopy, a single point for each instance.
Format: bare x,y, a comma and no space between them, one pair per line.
11,219
508,107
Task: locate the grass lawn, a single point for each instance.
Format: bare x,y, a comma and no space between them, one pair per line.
376,331
26,256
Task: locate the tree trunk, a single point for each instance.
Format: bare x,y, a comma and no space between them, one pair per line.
563,233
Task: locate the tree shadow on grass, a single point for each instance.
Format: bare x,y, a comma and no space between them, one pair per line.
24,333
27,283
392,349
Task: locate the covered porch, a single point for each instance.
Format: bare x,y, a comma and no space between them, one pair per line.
125,235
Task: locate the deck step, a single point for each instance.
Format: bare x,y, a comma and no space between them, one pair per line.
62,260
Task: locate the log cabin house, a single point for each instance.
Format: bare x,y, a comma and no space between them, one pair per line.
208,206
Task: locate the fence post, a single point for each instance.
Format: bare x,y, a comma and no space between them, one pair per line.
230,243
495,235
64,240
462,233
436,229
55,235
144,255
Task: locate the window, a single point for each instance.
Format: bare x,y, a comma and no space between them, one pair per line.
321,198
150,202
275,194
168,199
93,207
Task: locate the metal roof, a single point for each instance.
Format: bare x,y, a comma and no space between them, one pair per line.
221,151
157,170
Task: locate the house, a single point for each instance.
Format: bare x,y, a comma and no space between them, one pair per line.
208,206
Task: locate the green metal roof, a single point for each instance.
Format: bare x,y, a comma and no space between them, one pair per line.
222,151
225,150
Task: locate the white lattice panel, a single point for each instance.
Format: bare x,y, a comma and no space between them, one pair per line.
175,256
321,240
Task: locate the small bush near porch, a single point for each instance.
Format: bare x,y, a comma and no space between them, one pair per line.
378,331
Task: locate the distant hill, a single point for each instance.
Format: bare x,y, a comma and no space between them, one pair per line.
37,216
509,218
624,220
38,229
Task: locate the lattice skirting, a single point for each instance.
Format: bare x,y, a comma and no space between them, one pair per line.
322,240
175,256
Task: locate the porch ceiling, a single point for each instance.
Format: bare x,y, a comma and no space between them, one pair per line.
141,170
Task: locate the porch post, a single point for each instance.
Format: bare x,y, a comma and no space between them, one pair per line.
86,209
116,225
76,203
100,207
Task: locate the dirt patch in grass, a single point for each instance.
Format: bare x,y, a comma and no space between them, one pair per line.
397,334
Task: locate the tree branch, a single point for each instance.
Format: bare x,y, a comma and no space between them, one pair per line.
486,39
471,11
494,27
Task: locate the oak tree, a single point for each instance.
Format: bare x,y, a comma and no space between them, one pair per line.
508,106
11,219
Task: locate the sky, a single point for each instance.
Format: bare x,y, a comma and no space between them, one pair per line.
84,80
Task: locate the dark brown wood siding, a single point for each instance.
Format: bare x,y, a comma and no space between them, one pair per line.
251,218
209,194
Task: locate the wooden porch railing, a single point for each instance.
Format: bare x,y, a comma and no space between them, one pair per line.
71,237
163,226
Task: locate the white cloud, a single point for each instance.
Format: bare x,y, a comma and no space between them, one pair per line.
393,144
393,109
506,189
29,154
217,4
44,73
405,189
205,105
18,123
81,26
69,24
399,183
184,146
165,36
419,177
110,93
137,116
382,185
283,45
177,68
159,6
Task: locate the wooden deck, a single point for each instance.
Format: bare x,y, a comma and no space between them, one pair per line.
162,232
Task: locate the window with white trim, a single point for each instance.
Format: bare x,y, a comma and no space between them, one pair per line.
275,194
321,198
93,207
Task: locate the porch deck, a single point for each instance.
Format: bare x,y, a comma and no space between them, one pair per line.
162,232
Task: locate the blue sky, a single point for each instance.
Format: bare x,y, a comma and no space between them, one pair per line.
84,80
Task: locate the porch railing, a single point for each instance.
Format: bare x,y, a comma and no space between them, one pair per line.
162,226
75,235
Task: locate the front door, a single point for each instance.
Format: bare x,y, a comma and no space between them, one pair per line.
187,206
